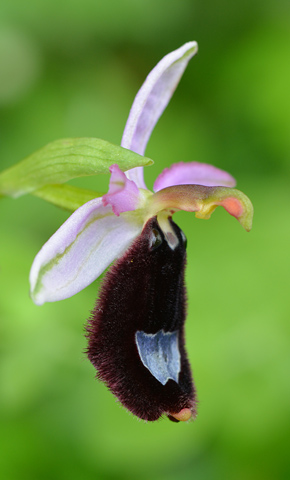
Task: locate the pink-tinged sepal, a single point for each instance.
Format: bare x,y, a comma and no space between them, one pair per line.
123,194
193,173
151,100
203,201
137,320
81,250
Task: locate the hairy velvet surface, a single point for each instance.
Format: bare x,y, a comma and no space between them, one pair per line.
143,291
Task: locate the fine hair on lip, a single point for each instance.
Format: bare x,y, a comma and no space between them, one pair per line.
143,291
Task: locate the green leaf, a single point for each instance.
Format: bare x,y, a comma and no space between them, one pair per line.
64,160
66,196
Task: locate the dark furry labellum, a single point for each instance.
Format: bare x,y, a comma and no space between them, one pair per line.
136,331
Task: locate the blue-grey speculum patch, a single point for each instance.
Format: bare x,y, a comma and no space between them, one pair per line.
160,354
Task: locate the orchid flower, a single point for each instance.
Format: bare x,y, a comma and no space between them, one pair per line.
136,331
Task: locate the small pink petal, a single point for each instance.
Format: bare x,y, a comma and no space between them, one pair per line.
193,173
123,194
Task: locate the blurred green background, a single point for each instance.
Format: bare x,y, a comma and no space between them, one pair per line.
71,68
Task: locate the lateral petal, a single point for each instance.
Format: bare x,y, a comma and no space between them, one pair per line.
194,173
81,249
150,102
123,194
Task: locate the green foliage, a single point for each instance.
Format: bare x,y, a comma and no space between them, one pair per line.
65,196
64,160
77,74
